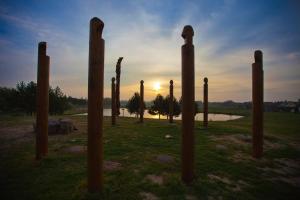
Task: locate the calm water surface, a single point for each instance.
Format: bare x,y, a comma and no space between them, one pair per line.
198,117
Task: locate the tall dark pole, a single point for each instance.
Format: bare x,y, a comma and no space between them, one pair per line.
95,106
113,101
142,102
188,105
171,102
118,74
257,104
205,103
42,102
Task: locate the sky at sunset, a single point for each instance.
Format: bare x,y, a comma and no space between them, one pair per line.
147,33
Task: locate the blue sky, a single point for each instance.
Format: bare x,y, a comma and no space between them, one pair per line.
148,35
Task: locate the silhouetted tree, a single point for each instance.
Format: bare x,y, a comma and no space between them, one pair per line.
23,99
133,104
176,106
158,106
26,97
58,102
8,99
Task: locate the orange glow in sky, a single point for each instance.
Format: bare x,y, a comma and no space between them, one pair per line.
156,87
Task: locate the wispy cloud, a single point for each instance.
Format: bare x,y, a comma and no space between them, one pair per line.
225,39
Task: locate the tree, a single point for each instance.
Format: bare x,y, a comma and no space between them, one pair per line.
30,97
158,106
26,96
176,106
58,101
133,104
8,99
23,99
20,88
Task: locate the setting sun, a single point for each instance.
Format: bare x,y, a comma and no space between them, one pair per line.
156,86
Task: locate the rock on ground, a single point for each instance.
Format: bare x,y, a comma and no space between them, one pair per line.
60,126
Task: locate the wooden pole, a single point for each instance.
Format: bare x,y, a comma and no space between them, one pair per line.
171,102
42,102
142,102
118,75
257,104
188,105
113,101
95,106
205,103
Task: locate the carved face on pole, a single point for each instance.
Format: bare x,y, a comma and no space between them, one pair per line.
188,34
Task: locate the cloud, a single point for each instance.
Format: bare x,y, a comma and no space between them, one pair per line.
151,43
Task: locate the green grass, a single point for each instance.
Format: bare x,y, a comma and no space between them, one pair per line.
62,175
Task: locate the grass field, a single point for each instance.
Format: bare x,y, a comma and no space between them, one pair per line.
224,167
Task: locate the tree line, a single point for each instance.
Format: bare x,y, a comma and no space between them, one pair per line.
22,99
159,106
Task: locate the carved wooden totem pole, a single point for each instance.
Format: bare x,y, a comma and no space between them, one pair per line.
42,106
205,103
95,106
142,102
188,105
118,74
257,104
171,102
113,101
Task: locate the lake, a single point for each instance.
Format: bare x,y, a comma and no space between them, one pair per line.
198,117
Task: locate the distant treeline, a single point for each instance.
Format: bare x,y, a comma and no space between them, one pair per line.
229,106
277,106
76,101
214,107
22,99
244,107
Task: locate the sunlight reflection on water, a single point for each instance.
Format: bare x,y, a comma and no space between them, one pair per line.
198,117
